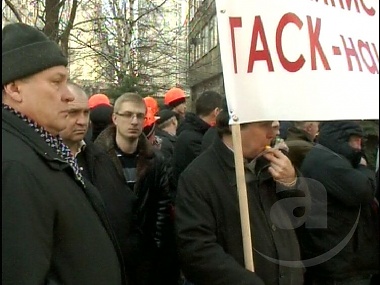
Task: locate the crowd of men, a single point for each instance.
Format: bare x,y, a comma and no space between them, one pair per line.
132,193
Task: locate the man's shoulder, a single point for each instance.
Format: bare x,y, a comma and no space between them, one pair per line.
94,149
203,163
299,143
188,137
13,147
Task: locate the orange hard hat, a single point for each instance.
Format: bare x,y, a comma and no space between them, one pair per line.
151,104
150,118
98,99
174,96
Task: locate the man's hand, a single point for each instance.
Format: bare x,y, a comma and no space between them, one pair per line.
281,167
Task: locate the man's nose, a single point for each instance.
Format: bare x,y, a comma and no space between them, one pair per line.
82,120
67,95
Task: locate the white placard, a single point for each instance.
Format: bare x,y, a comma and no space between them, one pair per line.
300,59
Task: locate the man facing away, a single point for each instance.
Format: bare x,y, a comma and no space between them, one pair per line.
208,223
166,131
54,228
98,168
146,172
191,130
300,140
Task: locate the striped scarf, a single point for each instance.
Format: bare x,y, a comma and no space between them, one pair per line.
54,142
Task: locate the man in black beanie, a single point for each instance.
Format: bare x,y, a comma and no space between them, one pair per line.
54,230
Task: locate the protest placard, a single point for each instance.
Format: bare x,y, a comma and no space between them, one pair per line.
300,59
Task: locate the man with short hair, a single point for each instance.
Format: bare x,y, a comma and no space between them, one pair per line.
146,172
54,227
98,168
191,131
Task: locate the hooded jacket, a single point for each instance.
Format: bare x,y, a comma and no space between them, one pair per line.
352,221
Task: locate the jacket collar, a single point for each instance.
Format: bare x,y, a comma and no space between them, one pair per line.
107,139
161,133
17,127
193,122
256,171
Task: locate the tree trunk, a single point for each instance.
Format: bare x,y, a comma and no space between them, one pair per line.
64,38
52,18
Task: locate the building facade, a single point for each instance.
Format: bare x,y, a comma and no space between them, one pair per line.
204,60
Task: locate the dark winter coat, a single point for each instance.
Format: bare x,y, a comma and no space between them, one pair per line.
209,137
153,212
350,191
119,199
189,142
299,143
54,230
209,229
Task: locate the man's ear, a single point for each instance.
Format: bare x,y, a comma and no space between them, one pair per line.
217,111
114,119
308,127
13,91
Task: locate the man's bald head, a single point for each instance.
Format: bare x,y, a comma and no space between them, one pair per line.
78,118
76,90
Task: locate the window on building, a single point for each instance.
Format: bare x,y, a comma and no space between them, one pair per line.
202,44
198,46
192,9
192,55
211,32
214,40
205,40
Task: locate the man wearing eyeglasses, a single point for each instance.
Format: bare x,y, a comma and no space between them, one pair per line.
145,171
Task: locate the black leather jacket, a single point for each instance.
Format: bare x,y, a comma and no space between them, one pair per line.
152,185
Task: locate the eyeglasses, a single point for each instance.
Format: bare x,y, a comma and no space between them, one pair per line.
130,115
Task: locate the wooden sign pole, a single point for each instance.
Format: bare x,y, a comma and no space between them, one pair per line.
243,199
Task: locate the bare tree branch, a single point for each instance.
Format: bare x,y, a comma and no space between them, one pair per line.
14,10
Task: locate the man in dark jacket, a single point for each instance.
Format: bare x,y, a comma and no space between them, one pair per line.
208,223
145,171
190,132
348,245
54,227
98,168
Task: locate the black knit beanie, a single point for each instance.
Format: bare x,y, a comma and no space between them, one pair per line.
27,51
